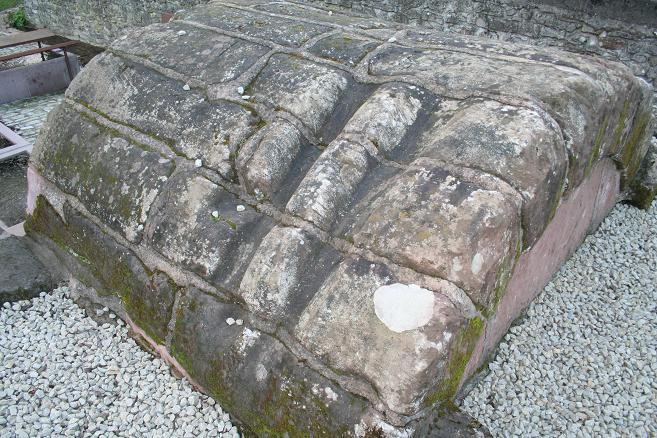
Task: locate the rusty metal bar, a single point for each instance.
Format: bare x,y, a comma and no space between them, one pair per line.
18,39
39,50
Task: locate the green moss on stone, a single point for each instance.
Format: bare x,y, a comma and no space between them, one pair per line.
276,411
629,156
643,196
597,146
169,142
41,222
225,220
462,349
109,266
620,127
503,278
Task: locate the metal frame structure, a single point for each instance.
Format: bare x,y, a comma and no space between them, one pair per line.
35,36
19,144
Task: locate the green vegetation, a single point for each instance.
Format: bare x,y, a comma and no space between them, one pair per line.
463,348
6,4
17,19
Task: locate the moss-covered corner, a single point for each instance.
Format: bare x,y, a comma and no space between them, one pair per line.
620,128
109,267
597,146
286,407
503,278
461,351
643,189
261,382
631,157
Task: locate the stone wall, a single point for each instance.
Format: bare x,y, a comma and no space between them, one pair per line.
619,30
98,22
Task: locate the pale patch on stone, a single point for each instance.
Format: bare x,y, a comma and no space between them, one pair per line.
456,265
261,372
330,394
403,307
248,339
423,343
477,262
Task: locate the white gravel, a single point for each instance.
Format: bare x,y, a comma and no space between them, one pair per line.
61,374
584,360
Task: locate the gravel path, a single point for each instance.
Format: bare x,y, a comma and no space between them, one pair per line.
61,374
584,360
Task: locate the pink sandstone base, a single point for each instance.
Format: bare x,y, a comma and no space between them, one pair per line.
577,216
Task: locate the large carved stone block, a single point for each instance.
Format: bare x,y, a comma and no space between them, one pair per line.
327,221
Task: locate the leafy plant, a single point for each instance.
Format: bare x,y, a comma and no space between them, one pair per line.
17,19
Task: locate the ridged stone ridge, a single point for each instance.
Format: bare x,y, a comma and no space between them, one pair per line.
328,222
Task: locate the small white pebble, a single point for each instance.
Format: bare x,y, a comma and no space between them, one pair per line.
230,321
330,12
392,40
215,214
181,33
246,97
198,162
186,87
240,90
240,207
239,321
140,227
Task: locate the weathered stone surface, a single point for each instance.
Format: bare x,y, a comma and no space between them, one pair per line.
286,31
441,224
22,276
113,270
200,227
264,162
215,58
116,178
515,144
343,49
133,95
403,364
450,422
308,90
644,188
283,395
358,195
288,267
